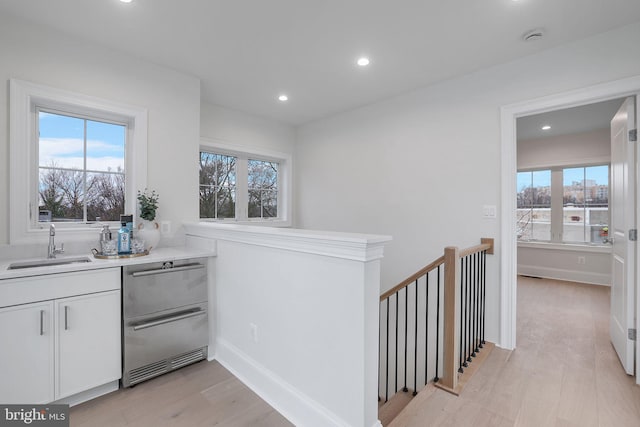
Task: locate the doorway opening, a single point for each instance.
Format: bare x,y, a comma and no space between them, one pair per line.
510,114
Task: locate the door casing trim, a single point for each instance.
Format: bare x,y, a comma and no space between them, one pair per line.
508,115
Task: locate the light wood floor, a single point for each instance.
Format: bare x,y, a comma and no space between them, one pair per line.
564,372
203,394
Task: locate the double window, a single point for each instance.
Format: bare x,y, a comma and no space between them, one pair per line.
243,185
568,205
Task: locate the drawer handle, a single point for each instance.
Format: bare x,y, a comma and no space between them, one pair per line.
41,322
167,270
169,319
66,317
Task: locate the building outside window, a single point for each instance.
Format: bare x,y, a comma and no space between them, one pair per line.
533,215
580,193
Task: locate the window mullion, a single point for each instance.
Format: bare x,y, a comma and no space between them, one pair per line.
557,209
85,218
242,188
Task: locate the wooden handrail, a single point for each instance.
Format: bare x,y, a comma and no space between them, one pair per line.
409,280
487,244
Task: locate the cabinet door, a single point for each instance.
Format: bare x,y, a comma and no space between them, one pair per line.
88,342
26,353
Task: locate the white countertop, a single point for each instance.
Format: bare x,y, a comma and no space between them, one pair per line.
160,254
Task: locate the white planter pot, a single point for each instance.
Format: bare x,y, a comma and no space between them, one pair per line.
149,231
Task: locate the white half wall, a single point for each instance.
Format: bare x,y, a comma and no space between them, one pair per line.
422,166
32,53
296,319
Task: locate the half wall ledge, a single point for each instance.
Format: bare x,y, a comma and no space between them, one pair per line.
351,246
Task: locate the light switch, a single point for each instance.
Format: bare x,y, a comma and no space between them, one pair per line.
489,211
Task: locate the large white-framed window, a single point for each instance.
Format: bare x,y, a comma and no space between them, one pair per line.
60,155
564,204
245,185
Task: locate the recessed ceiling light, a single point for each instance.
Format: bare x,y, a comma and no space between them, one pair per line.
363,62
283,98
126,1
546,127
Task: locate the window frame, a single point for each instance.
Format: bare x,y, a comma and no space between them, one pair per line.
26,99
557,202
243,154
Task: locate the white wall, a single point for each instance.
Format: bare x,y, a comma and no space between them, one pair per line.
590,264
565,150
404,167
245,130
34,54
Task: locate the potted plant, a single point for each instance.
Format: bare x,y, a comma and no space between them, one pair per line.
148,228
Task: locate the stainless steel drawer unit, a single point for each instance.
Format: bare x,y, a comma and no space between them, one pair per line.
165,318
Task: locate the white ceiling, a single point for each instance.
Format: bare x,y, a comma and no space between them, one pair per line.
568,121
247,52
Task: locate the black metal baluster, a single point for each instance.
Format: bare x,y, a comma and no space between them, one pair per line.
435,379
406,322
426,329
379,354
467,308
474,293
386,388
477,329
415,346
484,291
395,388
463,362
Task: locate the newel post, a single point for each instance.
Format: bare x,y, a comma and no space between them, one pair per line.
451,317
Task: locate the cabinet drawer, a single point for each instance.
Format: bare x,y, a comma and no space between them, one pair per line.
150,288
41,288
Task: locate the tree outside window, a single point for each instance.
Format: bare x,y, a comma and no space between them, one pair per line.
81,168
217,186
263,189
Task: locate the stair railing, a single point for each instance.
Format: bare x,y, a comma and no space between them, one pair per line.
433,322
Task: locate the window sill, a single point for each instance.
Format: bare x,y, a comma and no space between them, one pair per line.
576,247
265,223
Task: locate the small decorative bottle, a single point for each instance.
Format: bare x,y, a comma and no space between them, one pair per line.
124,239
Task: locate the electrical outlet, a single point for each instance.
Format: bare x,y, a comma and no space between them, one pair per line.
165,227
581,260
253,328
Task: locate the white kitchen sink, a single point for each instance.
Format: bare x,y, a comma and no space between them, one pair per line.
48,262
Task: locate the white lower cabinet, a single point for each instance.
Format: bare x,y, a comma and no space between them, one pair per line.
26,353
53,349
88,342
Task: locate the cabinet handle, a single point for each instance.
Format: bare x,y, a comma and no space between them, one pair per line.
66,317
169,319
168,270
41,322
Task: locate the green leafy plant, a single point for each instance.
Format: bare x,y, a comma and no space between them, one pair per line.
148,204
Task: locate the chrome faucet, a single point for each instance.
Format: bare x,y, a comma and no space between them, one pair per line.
52,251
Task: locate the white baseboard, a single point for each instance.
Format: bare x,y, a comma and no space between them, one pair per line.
84,396
282,396
564,274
